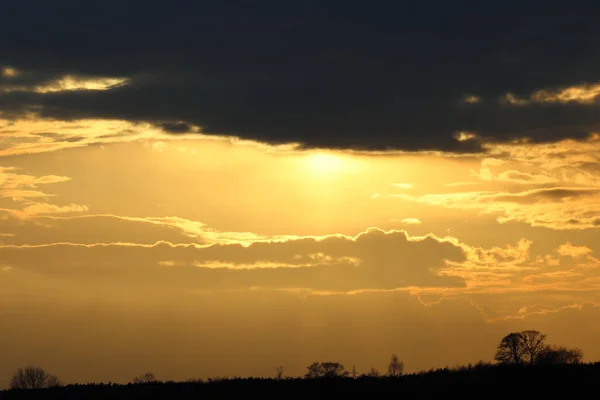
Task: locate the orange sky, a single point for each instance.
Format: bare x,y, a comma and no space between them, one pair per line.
125,250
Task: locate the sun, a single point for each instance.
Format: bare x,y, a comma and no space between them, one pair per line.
325,163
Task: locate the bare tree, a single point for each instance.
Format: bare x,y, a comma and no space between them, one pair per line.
279,372
373,373
314,371
354,371
395,367
33,378
533,343
148,377
521,347
326,370
511,349
559,355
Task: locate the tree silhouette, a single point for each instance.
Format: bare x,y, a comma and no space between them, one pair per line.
395,367
373,373
333,370
326,370
148,377
559,355
33,378
521,347
533,343
279,372
511,349
314,371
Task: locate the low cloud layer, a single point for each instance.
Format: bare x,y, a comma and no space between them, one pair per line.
371,260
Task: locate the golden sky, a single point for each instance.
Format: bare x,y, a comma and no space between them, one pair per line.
219,188
124,249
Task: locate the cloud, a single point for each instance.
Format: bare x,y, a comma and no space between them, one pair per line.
585,94
62,84
489,164
46,209
9,72
313,260
410,221
494,270
510,98
160,146
555,194
568,249
12,180
464,136
46,223
498,275
61,137
19,187
524,178
403,185
176,127
472,99
23,195
373,259
286,75
561,155
555,207
93,228
547,185
455,184
32,135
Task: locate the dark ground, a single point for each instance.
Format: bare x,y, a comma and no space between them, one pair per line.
489,382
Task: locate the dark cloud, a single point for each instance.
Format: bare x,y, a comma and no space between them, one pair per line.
28,80
175,127
341,74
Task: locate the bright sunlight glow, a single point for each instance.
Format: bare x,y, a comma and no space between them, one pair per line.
325,163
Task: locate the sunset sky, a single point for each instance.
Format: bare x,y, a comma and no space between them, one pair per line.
217,188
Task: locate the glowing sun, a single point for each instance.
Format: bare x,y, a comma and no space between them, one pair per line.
325,163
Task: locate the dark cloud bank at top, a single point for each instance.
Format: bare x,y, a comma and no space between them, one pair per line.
341,74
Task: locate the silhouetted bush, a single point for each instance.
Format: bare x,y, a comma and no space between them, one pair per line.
148,377
552,355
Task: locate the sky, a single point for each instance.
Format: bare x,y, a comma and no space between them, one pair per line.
219,188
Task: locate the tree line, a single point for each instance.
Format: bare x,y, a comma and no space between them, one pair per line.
518,348
336,370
